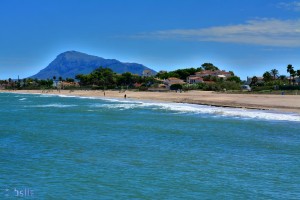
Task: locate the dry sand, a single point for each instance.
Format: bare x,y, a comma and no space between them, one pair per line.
286,103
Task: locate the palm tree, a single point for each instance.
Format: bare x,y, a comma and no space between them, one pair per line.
274,73
290,69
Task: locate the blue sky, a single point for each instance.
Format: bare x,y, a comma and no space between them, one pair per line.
248,37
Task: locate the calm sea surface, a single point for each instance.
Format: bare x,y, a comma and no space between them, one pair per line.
57,147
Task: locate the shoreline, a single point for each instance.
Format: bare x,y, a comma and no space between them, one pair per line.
281,103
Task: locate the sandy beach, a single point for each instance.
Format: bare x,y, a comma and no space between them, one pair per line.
285,103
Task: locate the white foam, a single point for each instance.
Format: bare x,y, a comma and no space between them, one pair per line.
202,109
51,105
47,95
22,99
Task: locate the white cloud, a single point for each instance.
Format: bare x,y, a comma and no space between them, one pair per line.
265,32
295,5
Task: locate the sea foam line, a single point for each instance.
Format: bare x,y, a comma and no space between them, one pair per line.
51,106
203,109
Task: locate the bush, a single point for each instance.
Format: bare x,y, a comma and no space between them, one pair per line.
190,87
216,86
289,87
176,87
260,88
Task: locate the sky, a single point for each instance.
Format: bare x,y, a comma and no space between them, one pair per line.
248,37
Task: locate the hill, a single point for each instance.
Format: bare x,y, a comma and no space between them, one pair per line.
71,63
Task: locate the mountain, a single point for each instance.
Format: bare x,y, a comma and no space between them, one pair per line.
71,63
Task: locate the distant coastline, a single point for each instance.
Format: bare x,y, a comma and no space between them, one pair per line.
282,103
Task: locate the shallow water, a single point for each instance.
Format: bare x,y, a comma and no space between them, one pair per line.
59,147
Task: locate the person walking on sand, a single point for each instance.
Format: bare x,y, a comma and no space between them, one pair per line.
125,96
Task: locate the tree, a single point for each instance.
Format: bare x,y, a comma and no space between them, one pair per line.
176,87
267,76
70,80
60,78
126,79
24,82
254,80
234,79
54,78
209,66
274,73
290,70
282,77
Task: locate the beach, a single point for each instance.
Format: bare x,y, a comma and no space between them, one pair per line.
282,103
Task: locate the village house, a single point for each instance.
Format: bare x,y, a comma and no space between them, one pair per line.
216,73
172,80
147,73
64,84
198,77
296,79
259,80
162,71
194,79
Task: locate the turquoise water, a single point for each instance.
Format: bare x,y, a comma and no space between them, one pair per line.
57,147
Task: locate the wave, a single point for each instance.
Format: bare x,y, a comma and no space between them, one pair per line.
51,106
202,109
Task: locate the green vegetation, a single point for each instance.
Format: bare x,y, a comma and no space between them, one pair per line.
273,82
214,86
105,78
179,73
176,87
184,73
29,84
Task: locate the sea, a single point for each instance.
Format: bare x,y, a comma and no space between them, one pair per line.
69,147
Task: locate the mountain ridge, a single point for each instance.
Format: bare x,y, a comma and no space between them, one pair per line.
70,63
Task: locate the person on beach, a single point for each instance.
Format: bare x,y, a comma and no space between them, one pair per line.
125,96
104,93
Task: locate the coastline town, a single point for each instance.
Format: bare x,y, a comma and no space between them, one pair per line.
207,77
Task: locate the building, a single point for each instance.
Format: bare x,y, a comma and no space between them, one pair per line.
63,84
172,80
198,77
259,80
296,78
216,73
147,73
194,79
162,71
